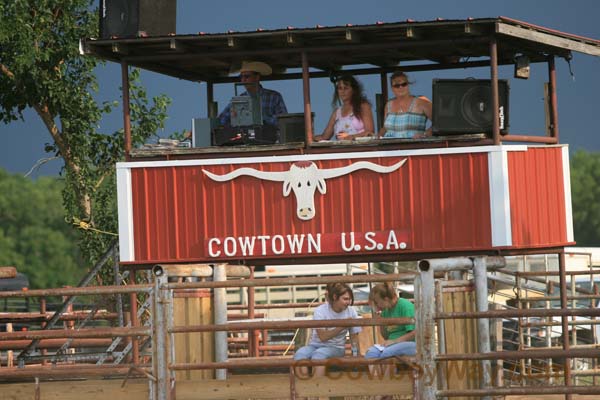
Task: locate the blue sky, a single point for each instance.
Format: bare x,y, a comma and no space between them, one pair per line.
579,107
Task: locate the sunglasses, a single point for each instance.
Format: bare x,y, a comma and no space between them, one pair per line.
397,85
247,75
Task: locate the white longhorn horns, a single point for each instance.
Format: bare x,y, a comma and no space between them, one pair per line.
303,178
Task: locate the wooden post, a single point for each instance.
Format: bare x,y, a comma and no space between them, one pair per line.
9,354
126,112
308,128
553,98
425,336
565,320
135,358
495,97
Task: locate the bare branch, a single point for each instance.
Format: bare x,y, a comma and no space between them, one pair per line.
39,163
7,71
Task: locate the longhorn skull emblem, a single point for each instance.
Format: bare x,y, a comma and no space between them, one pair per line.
303,178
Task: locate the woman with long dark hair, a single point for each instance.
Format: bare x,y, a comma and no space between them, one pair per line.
331,342
352,116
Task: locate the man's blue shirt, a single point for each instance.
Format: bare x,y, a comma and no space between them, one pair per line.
271,102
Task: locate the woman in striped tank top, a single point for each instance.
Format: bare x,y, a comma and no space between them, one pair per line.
405,115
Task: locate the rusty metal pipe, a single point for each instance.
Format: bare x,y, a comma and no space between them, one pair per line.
522,354
38,317
531,390
557,323
262,282
54,343
554,273
585,312
77,334
528,138
545,298
288,325
290,362
79,291
288,305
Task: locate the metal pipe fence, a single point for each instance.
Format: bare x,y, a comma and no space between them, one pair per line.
163,333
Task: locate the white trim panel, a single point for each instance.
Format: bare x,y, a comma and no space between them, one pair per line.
499,198
321,156
567,189
125,208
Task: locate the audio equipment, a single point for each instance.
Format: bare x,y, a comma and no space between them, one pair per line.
291,127
462,106
131,18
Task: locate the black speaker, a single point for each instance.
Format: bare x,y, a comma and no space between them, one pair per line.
291,127
462,106
131,18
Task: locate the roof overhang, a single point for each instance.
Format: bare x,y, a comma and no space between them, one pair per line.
439,44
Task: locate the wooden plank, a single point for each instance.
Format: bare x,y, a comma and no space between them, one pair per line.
272,386
278,386
78,390
8,272
258,386
548,39
193,347
552,397
461,337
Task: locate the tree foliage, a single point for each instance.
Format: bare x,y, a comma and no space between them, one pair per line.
41,68
585,192
33,234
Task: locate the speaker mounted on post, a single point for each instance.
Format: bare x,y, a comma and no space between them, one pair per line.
132,18
464,106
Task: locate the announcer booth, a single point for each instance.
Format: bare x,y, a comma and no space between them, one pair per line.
397,204
473,187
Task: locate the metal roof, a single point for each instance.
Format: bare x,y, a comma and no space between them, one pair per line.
383,46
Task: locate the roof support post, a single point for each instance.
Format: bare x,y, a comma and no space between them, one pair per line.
308,129
159,339
133,310
253,343
384,99
425,336
210,97
494,84
553,98
565,319
220,307
483,324
126,113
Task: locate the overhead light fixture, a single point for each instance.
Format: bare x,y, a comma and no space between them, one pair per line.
522,67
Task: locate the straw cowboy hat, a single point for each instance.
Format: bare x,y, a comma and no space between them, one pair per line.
256,66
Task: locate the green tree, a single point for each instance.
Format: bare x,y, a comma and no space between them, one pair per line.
33,234
41,68
585,192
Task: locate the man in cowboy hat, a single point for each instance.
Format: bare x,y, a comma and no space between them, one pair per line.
271,101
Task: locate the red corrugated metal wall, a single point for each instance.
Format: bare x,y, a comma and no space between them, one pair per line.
441,201
537,197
